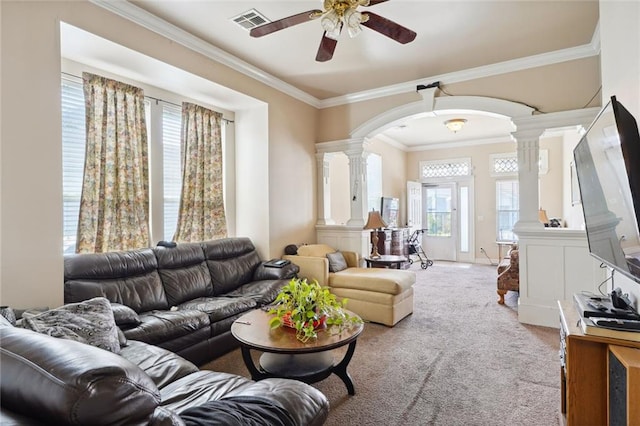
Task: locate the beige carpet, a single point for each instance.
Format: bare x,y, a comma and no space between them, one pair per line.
459,359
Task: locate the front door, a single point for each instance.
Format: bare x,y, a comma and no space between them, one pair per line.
440,221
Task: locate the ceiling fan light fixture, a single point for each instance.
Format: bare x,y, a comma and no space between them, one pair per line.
352,19
455,124
332,24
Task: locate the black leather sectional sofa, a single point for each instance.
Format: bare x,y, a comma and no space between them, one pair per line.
183,299
47,380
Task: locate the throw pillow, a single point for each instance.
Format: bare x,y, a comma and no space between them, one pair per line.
124,316
88,322
337,262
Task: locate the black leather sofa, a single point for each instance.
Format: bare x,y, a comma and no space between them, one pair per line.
47,380
183,299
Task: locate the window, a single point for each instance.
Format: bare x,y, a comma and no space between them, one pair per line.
73,143
507,205
73,151
506,164
445,168
172,176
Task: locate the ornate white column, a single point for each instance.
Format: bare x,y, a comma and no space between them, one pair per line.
528,147
324,189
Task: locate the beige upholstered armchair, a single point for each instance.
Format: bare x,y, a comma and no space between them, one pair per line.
379,295
509,273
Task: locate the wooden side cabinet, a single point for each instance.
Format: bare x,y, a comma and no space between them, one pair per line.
624,386
584,371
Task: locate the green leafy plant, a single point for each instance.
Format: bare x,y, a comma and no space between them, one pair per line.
308,308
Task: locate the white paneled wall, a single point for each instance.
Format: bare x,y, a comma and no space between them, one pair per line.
554,264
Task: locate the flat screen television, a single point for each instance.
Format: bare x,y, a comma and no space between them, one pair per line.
607,163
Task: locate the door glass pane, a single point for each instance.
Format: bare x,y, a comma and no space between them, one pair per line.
438,206
464,219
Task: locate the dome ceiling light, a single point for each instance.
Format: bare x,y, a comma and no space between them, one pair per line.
455,124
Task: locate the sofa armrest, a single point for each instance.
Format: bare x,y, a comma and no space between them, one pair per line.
60,381
311,267
269,273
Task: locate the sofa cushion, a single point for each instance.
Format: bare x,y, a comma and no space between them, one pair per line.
231,262
184,272
315,250
307,405
161,326
238,410
337,262
127,277
219,308
88,322
161,365
59,381
392,281
387,299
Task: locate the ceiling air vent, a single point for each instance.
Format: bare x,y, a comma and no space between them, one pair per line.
250,19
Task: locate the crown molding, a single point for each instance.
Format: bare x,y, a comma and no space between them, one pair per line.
151,22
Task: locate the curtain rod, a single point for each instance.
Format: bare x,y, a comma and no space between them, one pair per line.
226,120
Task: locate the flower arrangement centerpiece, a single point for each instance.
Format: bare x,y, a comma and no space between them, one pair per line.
308,308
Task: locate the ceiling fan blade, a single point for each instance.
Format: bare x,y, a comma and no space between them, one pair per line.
326,49
389,28
283,23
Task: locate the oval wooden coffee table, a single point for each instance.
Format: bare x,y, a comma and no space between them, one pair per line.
287,357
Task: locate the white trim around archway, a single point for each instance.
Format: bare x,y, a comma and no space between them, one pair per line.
427,107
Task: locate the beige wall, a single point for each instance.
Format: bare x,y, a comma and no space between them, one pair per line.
560,87
394,175
551,184
276,188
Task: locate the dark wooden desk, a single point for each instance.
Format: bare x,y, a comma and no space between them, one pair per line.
387,261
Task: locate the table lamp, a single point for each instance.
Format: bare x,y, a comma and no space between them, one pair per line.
374,222
542,217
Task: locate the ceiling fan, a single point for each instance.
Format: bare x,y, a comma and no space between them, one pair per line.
336,15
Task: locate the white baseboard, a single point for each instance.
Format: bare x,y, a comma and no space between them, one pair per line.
546,316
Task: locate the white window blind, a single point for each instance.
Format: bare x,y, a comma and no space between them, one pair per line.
172,174
73,152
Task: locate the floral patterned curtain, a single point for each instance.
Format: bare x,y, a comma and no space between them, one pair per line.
201,216
114,206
